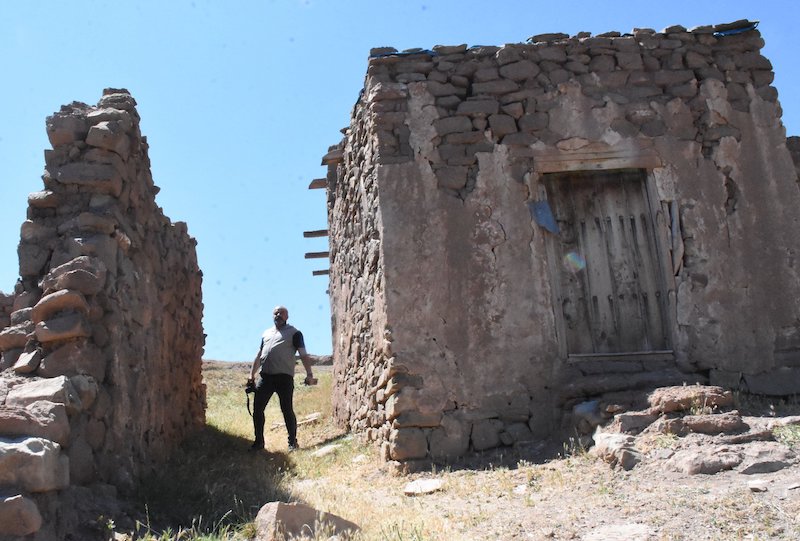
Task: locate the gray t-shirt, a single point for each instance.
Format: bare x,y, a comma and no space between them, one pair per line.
278,350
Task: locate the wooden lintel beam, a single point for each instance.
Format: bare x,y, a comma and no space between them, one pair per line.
321,272
314,234
333,157
318,183
316,255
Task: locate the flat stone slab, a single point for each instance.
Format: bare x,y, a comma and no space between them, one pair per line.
84,273
59,301
98,177
724,423
620,532
76,357
15,336
766,457
326,450
41,419
423,486
28,362
707,460
683,398
58,390
64,327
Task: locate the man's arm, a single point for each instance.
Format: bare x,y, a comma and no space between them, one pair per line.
299,344
306,358
256,362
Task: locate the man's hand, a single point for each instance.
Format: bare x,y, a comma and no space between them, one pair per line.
310,380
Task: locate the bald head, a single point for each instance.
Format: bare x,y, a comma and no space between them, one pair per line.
279,315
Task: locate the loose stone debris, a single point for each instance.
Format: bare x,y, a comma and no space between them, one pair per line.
326,450
423,486
703,444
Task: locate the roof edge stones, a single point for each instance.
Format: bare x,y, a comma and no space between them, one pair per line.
723,29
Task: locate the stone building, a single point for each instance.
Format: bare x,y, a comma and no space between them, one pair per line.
516,230
101,341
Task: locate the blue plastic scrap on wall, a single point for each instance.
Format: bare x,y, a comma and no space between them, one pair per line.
543,215
739,30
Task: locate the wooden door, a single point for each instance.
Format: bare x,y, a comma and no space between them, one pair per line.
608,285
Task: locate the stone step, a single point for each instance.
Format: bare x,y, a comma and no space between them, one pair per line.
595,385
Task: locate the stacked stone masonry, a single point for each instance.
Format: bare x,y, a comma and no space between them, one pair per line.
100,374
448,330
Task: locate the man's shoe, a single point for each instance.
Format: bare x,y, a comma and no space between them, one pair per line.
294,447
257,446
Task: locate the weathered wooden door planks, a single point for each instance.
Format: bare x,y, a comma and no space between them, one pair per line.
611,297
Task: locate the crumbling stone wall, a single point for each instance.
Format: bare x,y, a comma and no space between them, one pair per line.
6,307
363,335
793,143
101,360
446,150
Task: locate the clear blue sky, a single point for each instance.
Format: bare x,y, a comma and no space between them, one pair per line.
239,101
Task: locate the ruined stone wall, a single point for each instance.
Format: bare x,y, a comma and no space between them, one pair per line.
101,362
360,331
457,141
6,307
793,143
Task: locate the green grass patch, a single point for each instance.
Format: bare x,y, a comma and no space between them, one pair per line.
788,435
213,486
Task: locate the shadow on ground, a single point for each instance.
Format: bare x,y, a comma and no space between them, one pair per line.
211,481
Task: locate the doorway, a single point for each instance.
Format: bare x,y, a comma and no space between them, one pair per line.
610,297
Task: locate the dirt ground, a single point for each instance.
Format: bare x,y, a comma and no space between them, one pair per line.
504,496
536,492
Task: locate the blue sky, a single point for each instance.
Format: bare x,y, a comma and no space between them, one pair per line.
239,101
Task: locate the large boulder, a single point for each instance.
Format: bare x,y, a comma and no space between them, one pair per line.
85,274
19,516
41,418
75,357
66,127
59,301
766,457
705,460
15,336
407,444
63,327
33,464
278,520
688,397
58,390
616,449
724,423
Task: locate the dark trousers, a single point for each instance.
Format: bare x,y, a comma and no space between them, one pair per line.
283,384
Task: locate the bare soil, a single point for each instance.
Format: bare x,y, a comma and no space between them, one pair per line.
541,492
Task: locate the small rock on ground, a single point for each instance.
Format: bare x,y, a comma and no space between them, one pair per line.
620,532
422,486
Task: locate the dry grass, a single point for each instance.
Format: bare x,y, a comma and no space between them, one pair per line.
213,487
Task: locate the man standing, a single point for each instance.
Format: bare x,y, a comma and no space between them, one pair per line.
275,365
